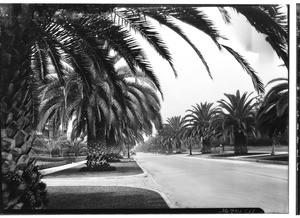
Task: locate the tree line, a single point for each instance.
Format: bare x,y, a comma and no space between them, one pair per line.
236,118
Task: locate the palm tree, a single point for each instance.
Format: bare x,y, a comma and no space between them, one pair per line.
198,123
140,111
40,40
238,119
272,117
75,146
172,133
100,115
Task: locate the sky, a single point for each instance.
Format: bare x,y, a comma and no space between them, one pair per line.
193,84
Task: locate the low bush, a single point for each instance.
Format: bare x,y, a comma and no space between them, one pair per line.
56,152
97,163
28,186
70,160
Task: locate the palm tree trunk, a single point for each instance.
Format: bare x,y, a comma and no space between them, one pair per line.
17,114
240,145
273,145
201,144
170,147
231,139
177,145
96,160
128,153
206,146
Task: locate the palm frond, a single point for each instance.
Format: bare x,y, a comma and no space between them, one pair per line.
225,15
168,22
147,31
257,83
268,19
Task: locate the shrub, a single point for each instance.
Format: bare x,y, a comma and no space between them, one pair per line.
31,191
70,160
97,163
56,152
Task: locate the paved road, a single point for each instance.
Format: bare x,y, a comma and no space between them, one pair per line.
209,183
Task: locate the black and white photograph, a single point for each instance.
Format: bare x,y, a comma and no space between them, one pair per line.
143,108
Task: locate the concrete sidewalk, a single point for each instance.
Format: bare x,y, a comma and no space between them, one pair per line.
60,168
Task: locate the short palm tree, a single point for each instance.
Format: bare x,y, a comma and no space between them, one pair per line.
238,119
172,133
198,123
76,146
272,117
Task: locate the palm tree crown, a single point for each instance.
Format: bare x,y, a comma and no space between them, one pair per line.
238,118
199,119
272,117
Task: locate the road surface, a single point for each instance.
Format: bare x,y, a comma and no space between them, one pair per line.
191,182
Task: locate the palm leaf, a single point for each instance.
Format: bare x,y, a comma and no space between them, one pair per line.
257,83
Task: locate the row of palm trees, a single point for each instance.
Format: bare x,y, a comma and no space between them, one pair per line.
74,49
235,118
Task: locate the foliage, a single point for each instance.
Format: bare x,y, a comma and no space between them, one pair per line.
238,113
97,163
238,118
152,145
172,132
198,123
26,190
272,118
75,147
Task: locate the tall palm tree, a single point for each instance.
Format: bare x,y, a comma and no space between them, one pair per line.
238,119
141,109
198,123
40,40
272,117
100,114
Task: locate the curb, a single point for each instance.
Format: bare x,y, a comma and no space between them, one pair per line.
242,159
163,195
100,178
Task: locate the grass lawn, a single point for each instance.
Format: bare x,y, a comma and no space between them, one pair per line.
101,199
123,168
281,158
108,197
235,155
284,157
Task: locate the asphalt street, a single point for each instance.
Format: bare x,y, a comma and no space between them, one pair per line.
210,183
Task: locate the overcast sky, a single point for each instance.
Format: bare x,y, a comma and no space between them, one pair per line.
193,84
